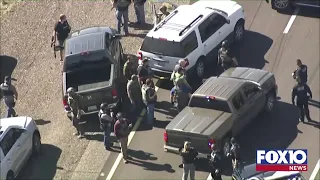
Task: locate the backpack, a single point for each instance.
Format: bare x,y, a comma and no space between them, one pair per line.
122,4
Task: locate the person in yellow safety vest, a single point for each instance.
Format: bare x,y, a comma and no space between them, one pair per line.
181,63
181,84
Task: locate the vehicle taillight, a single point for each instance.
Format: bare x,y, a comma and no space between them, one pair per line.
139,55
210,142
84,53
165,136
114,93
65,103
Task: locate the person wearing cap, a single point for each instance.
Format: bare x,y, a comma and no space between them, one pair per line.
122,130
144,71
76,112
10,96
134,94
61,32
129,68
189,156
105,124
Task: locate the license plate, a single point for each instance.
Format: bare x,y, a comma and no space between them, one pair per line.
92,108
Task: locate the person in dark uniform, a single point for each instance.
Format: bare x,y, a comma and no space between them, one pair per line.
10,95
215,163
301,91
224,57
234,152
301,72
61,32
144,71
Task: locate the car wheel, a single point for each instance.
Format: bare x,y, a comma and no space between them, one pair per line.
199,68
271,99
10,176
239,31
281,5
36,144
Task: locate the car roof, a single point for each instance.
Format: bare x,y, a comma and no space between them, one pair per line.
246,73
177,21
221,87
13,121
88,40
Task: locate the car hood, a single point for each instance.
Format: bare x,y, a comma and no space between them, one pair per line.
198,121
256,75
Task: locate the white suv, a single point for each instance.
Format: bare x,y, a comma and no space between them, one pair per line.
193,32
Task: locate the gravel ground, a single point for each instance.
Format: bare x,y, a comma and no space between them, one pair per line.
25,35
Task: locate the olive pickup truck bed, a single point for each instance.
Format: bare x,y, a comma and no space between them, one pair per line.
221,108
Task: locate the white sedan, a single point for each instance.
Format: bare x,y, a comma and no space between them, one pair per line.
19,139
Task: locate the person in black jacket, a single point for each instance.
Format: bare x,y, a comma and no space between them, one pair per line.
189,156
301,91
144,71
215,163
301,72
61,32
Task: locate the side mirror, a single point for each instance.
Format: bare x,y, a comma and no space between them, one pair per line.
228,21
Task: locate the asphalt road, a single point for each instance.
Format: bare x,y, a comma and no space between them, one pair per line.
266,46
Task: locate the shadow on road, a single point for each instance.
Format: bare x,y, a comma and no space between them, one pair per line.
41,122
276,130
7,66
314,103
44,166
141,155
251,52
313,123
149,166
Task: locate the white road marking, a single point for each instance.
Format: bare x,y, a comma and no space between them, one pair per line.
292,18
315,171
130,137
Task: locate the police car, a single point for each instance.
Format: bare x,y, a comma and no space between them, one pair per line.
249,173
19,139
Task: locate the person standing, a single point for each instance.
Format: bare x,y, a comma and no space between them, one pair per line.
301,91
122,7
61,32
139,10
74,103
144,71
134,94
105,124
301,72
122,130
234,152
189,156
129,68
149,96
215,163
10,96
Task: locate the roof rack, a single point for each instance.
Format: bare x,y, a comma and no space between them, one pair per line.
218,10
166,20
190,25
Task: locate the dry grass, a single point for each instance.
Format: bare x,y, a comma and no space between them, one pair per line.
6,6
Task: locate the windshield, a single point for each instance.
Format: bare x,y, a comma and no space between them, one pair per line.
209,103
162,47
92,75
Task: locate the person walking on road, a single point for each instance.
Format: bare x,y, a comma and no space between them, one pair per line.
122,130
76,112
61,32
139,10
189,156
10,96
135,95
301,91
129,68
301,72
149,96
105,124
122,7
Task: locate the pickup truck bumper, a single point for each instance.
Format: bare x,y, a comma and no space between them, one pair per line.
176,151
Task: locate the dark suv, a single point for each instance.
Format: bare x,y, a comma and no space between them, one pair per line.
284,5
92,65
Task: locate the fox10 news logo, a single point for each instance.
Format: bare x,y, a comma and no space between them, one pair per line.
282,160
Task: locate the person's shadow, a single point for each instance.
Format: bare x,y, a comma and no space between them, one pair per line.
314,103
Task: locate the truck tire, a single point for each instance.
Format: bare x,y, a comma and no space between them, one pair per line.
270,101
239,31
281,5
200,67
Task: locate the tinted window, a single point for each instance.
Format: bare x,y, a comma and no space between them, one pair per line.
238,101
206,103
209,26
190,43
8,141
249,90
